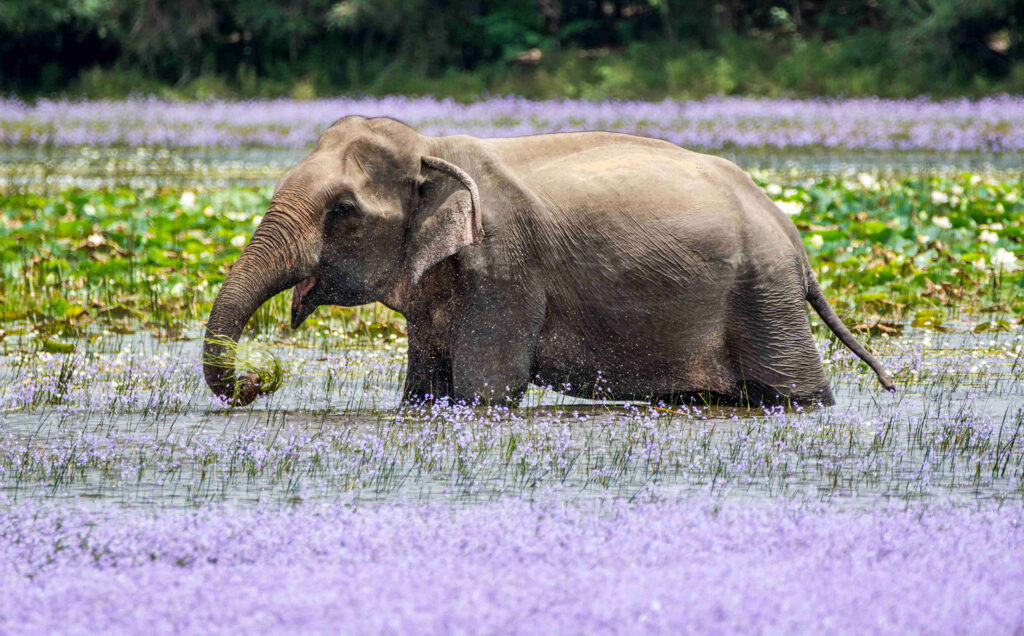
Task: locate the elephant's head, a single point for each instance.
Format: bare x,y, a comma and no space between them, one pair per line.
361,219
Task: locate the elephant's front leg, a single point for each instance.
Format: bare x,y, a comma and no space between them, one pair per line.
494,338
429,372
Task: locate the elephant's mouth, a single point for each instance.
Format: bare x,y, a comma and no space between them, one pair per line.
301,310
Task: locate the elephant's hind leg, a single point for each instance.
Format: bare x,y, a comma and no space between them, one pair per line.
773,352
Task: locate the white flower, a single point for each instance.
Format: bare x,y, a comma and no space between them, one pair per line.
958,190
95,240
256,219
791,208
89,209
988,237
1004,260
188,199
996,227
939,197
789,193
238,240
942,221
866,180
773,189
208,211
817,241
1011,197
980,263
975,179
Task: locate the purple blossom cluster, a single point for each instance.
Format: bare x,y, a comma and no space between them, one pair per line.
989,124
696,566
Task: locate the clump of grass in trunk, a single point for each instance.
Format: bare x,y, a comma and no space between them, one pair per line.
259,371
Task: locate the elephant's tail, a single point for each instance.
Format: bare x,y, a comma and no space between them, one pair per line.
817,300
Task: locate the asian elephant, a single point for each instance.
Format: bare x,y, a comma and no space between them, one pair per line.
599,264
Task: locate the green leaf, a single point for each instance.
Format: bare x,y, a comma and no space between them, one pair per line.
929,318
54,346
991,326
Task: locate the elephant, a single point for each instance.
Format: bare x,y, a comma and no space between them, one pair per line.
600,264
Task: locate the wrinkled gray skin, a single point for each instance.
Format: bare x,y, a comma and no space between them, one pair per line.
596,263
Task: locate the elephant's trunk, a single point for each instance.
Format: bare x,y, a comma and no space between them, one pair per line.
272,262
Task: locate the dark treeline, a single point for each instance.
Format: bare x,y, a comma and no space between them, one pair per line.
538,48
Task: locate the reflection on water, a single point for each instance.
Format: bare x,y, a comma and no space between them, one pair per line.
135,424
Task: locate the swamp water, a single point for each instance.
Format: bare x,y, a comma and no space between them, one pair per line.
129,419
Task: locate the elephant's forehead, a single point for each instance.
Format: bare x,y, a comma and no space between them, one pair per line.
325,170
325,176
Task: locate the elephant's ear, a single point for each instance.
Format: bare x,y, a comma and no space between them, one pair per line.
446,220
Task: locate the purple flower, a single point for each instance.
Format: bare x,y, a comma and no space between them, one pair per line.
989,124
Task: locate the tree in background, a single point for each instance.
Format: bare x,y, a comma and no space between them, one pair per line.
539,47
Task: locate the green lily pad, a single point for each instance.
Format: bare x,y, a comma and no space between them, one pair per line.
992,326
54,346
929,318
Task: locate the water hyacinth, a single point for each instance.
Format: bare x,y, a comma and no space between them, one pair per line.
989,124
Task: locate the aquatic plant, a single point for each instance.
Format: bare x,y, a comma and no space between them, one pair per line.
131,424
260,371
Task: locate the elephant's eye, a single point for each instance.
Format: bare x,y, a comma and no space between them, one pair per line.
343,209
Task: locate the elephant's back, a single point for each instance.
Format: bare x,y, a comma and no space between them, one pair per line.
610,170
646,199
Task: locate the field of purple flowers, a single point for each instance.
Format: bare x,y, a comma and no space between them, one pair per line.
994,124
131,500
692,566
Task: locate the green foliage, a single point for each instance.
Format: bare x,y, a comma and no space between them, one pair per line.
902,248
127,259
536,48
